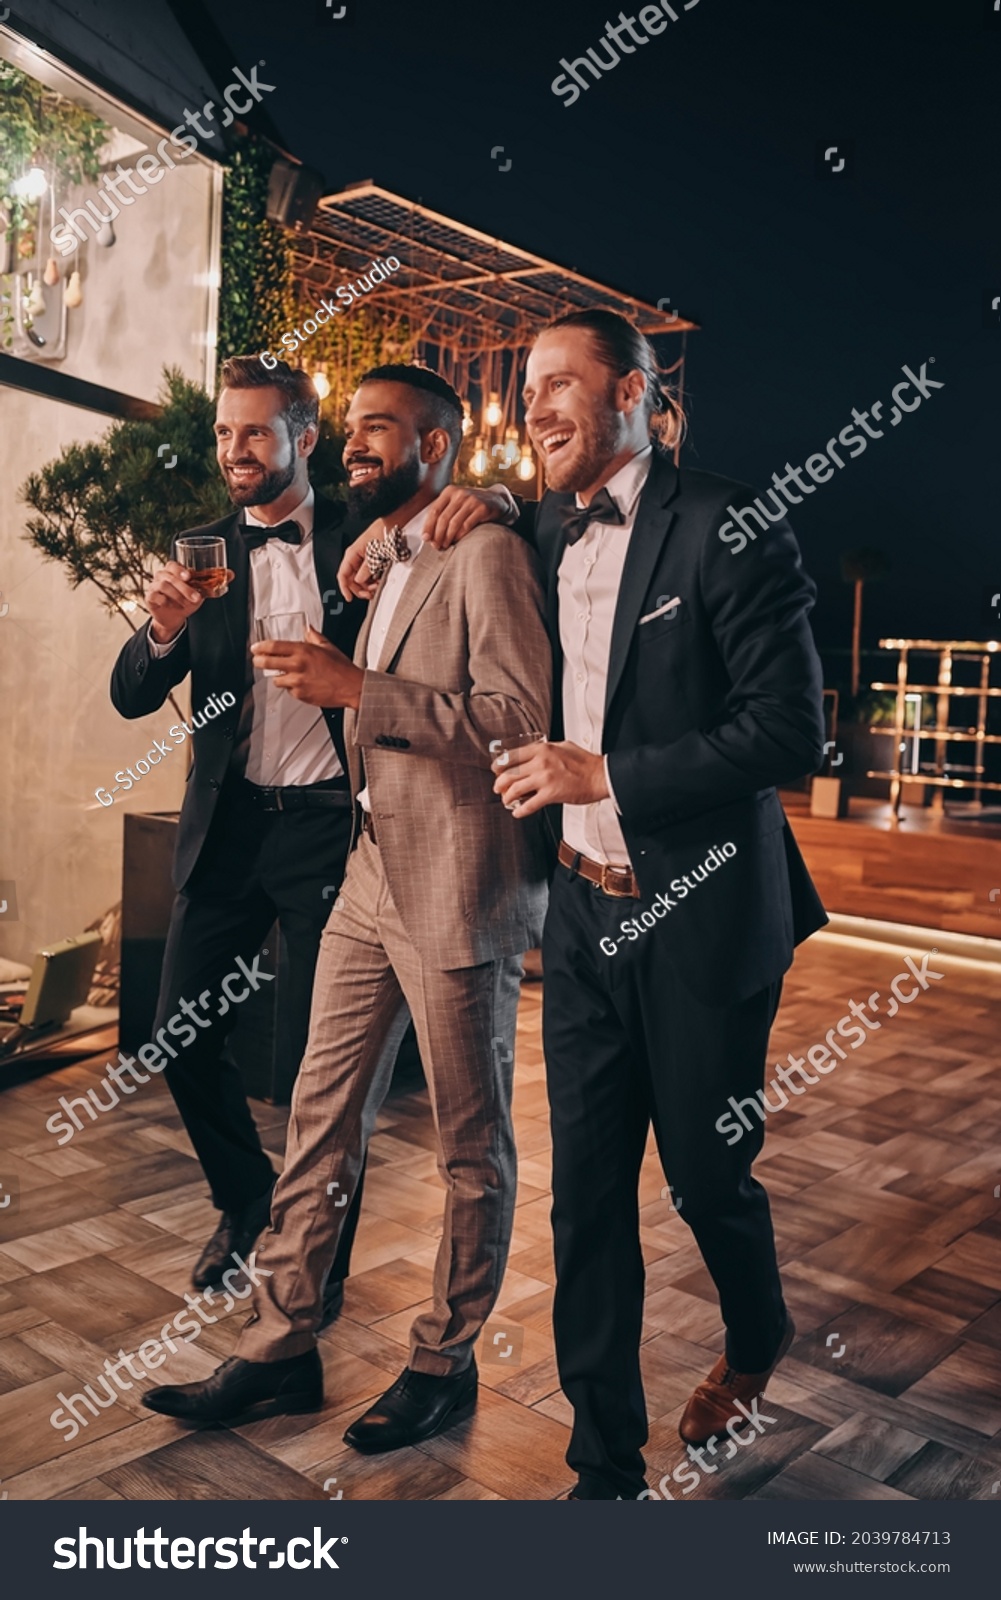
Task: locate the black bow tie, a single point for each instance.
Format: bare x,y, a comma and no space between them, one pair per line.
601,509
289,532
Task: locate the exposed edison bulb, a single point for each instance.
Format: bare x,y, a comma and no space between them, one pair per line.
479,461
512,448
32,186
526,466
493,413
321,383
467,417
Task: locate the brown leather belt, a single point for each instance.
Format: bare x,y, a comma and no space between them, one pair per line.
619,882
368,825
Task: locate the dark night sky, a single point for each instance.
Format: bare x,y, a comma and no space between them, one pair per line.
688,171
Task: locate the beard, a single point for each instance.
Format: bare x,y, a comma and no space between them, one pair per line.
262,489
386,492
595,443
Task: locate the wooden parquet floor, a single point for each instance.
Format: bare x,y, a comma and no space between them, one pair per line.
882,1178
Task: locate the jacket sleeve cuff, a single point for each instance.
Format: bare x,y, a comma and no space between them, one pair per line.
507,508
158,651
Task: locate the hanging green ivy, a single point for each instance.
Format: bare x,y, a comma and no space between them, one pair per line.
260,298
255,300
40,128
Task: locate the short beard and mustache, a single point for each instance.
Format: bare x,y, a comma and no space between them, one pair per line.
265,489
382,495
596,442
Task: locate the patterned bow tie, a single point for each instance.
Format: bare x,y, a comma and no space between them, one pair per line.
381,553
601,509
289,532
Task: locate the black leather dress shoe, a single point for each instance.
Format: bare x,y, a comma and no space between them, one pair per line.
333,1303
417,1407
295,1384
237,1233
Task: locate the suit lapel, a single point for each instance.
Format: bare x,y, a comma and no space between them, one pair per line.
235,601
328,549
427,568
361,647
650,531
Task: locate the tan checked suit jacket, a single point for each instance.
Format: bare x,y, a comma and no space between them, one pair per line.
467,660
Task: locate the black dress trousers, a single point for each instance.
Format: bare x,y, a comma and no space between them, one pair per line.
255,866
627,1045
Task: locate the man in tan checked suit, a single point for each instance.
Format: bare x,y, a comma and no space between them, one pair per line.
442,895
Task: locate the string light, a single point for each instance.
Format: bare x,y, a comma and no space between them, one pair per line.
512,448
479,461
492,415
32,186
321,383
526,466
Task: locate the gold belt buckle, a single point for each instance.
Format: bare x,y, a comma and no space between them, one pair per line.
606,887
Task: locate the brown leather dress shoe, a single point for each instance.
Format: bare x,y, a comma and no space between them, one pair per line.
715,1401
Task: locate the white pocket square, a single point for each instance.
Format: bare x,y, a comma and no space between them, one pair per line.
670,605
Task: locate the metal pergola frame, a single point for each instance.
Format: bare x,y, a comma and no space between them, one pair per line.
461,290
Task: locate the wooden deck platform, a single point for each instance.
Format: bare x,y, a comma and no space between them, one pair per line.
929,872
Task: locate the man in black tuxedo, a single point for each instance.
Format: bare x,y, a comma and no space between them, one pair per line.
690,687
687,687
266,821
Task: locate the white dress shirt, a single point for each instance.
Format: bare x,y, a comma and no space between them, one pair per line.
386,604
589,578
280,740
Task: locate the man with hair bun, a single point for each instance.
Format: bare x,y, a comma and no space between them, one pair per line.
690,691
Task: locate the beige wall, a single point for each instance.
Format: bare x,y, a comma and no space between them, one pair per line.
60,734
147,301
146,298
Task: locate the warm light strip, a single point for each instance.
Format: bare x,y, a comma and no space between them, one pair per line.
971,949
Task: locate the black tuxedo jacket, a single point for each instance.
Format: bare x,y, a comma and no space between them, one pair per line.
709,706
213,648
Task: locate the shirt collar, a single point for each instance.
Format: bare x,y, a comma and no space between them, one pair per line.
626,485
303,515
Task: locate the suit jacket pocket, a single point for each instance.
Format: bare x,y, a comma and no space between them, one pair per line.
662,627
